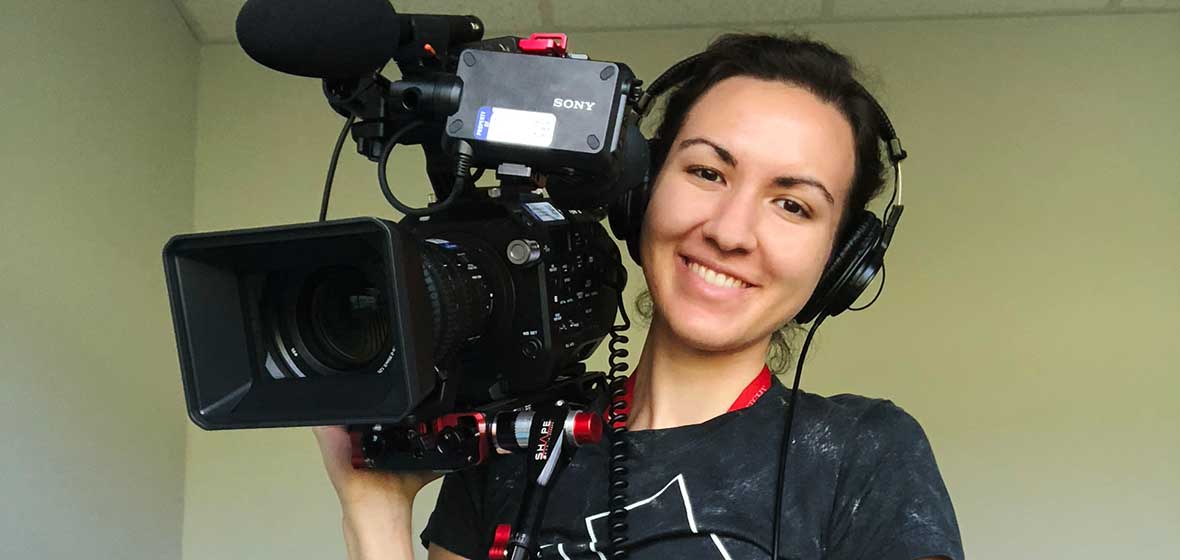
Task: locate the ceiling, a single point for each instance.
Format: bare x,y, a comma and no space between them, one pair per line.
212,21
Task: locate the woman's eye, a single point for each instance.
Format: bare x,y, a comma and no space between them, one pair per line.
705,173
791,206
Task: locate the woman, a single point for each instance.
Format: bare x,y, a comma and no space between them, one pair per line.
763,154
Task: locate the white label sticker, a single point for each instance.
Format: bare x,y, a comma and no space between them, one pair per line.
544,211
513,126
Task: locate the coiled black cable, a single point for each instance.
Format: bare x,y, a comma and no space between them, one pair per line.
617,473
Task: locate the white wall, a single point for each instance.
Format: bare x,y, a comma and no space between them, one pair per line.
1031,304
97,126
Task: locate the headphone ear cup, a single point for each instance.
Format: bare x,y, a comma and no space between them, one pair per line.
623,221
626,213
849,271
618,215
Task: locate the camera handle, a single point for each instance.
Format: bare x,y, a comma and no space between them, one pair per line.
548,435
546,427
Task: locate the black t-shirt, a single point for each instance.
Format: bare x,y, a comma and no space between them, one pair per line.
861,483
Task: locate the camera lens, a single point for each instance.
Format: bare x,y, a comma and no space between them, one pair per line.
337,319
460,294
346,325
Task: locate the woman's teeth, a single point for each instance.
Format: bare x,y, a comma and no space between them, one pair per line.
715,278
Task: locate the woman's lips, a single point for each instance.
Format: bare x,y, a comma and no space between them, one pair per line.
710,283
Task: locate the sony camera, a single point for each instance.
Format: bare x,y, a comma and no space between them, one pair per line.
488,295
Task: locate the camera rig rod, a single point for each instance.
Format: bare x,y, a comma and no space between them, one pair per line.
548,436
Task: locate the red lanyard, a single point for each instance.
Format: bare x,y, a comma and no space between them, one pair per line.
748,396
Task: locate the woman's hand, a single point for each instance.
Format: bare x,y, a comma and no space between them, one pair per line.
376,505
363,487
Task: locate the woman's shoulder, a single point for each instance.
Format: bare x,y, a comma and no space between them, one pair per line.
850,418
865,412
847,407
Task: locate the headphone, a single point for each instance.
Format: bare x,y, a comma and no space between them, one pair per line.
858,257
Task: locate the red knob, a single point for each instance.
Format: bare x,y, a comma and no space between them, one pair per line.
587,428
552,44
499,549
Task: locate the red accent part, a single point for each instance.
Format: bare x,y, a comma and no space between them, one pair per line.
358,452
499,548
551,44
587,428
750,395
429,49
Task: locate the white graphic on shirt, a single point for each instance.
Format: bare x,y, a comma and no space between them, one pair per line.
678,481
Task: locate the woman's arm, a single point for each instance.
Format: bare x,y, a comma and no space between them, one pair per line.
373,535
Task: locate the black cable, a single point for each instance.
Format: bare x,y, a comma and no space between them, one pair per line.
463,160
889,209
786,443
332,166
617,470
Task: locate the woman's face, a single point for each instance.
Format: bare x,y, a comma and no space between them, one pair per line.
744,212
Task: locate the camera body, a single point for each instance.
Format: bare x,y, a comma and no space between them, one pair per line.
364,320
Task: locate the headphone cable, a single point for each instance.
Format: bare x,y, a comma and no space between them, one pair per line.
785,446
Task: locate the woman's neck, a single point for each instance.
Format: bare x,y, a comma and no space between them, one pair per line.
677,385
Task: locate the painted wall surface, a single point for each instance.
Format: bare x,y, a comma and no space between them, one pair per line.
1031,301
97,128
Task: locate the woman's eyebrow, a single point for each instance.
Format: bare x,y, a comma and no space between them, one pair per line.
787,182
791,181
721,152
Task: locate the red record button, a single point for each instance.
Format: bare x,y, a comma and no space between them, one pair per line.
552,44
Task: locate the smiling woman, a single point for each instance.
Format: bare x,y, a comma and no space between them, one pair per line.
767,149
742,193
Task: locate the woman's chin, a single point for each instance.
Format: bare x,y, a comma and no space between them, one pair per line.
709,336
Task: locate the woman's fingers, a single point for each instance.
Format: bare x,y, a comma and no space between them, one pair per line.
352,484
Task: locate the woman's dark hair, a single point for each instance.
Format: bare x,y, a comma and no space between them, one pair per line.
798,61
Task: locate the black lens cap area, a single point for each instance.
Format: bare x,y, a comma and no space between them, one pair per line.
343,318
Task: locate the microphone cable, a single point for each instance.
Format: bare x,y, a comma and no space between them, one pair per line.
462,174
332,166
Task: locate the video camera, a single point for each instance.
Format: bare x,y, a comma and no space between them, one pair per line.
477,303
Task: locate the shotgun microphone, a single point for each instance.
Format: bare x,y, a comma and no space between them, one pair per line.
329,39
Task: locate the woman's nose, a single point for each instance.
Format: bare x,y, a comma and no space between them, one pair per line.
731,224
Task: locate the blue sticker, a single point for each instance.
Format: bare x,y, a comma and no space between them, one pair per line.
482,122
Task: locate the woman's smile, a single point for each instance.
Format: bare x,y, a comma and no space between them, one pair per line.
702,281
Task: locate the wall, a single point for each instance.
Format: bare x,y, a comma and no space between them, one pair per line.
96,148
1031,295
